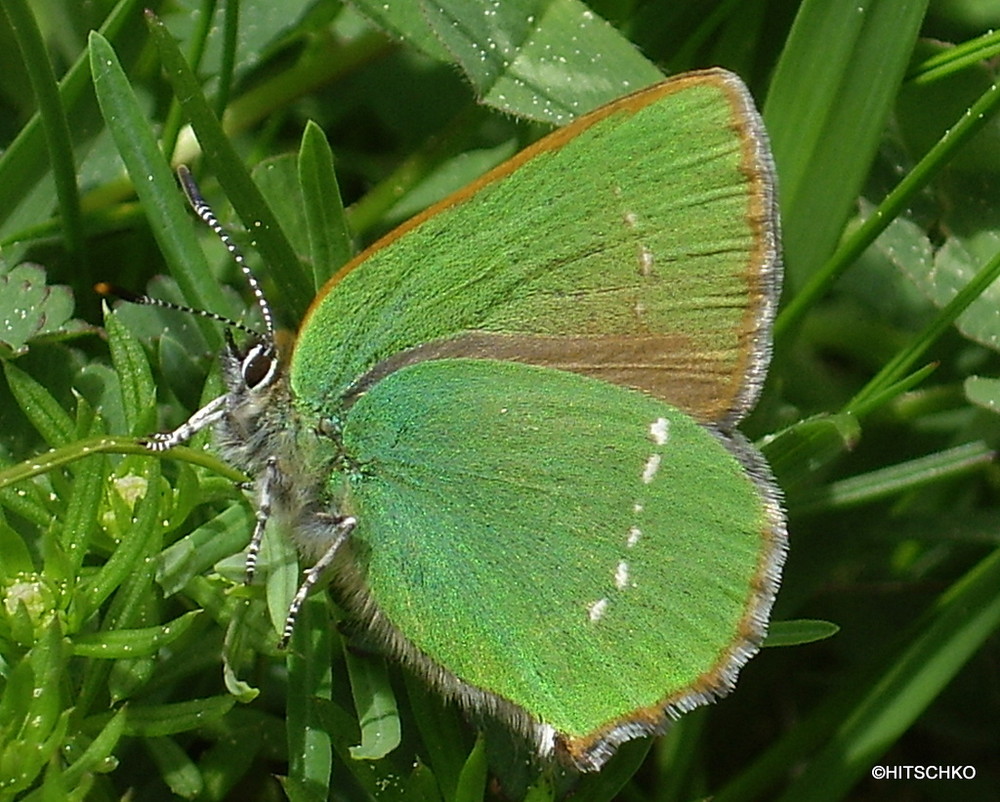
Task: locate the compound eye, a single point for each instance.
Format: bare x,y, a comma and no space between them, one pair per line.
258,366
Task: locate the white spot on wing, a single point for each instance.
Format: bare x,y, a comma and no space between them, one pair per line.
634,533
621,575
659,434
652,466
597,609
659,430
645,261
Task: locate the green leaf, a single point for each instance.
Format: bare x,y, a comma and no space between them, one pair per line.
983,391
170,719
472,780
375,704
180,773
826,115
134,376
279,564
853,728
548,60
131,643
233,175
867,488
957,625
310,748
25,163
30,309
195,553
54,123
441,729
813,443
42,409
329,240
99,751
14,555
143,525
799,632
154,183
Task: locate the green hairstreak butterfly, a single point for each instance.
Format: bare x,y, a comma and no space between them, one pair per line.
508,427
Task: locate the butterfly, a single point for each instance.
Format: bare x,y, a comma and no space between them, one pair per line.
507,430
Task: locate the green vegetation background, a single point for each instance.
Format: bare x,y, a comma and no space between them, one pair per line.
132,661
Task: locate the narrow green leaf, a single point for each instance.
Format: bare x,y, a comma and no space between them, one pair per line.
898,366
179,772
279,564
25,161
46,711
329,239
851,729
796,453
977,116
799,632
310,750
230,759
154,184
14,555
195,553
421,785
134,375
826,115
98,750
375,704
284,266
890,391
472,780
54,122
131,643
951,632
45,413
379,778
237,648
79,522
108,444
440,730
953,59
144,525
170,719
908,476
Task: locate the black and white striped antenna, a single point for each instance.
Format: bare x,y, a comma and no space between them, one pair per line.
204,211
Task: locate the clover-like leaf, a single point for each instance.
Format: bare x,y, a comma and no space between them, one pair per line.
30,309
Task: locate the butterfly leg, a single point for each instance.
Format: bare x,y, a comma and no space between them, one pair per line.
342,527
206,416
264,503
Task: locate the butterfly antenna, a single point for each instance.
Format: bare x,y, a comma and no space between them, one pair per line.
204,211
113,291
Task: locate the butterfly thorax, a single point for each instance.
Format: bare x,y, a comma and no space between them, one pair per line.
264,433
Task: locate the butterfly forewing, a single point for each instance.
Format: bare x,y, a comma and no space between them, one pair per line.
636,245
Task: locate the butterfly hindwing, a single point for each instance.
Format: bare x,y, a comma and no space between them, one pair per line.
578,549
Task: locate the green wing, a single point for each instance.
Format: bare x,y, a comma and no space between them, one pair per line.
637,245
561,547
